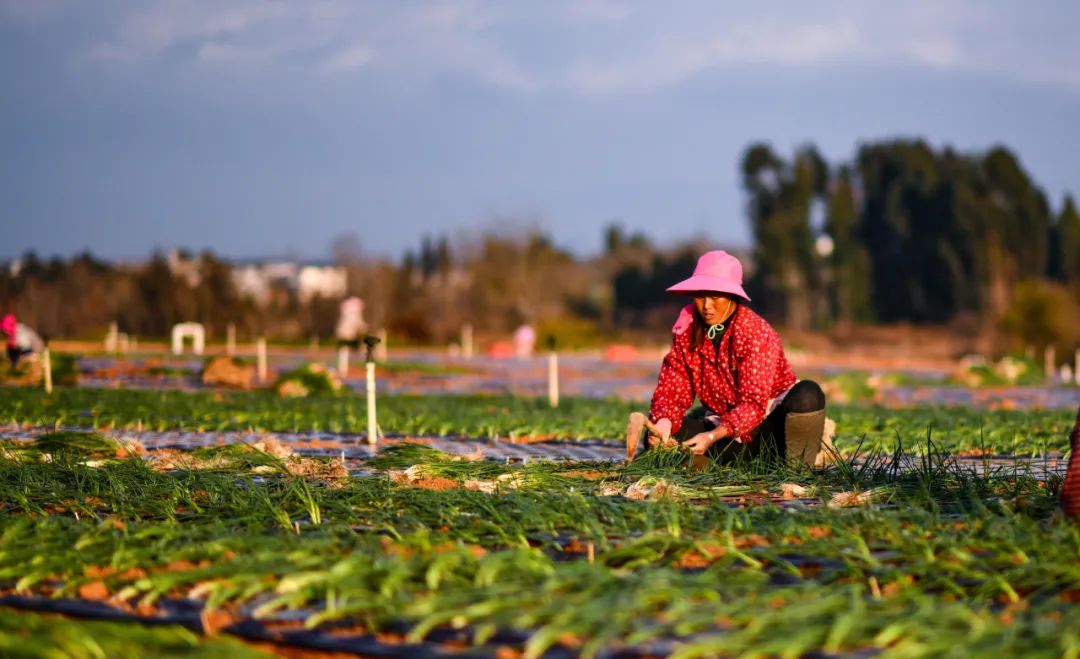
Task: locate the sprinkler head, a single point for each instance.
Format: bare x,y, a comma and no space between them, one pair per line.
370,341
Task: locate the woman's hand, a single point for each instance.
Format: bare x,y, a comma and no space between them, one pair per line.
662,430
701,442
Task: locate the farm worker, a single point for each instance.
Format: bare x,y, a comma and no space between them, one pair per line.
350,325
524,341
21,340
1070,490
732,361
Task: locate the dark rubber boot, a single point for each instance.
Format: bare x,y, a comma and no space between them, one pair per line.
802,436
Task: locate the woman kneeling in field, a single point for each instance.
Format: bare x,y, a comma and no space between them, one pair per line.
732,360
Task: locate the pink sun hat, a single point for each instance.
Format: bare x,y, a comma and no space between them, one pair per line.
717,272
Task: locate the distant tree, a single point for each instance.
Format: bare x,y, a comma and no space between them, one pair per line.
897,182
157,308
1042,313
613,238
948,232
787,272
518,276
347,250
1068,247
444,257
849,261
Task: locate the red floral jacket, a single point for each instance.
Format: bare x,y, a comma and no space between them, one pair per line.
1070,489
735,381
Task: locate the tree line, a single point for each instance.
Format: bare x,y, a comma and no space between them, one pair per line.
902,233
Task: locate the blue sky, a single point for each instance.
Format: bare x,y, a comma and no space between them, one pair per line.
257,127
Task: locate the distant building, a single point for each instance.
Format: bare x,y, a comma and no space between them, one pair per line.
258,281
326,281
185,267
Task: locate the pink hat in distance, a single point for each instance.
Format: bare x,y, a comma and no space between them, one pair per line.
716,272
8,324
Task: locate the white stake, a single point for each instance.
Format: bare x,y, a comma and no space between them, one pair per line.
343,361
230,339
553,378
110,338
466,341
1049,358
260,349
372,427
46,362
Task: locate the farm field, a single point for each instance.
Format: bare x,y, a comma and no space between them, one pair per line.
953,429
588,375
242,523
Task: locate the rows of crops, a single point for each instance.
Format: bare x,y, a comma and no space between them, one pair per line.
956,429
551,557
902,548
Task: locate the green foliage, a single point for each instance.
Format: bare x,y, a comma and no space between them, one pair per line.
950,560
1068,243
787,273
659,458
640,282
569,334
948,232
1043,314
425,368
926,235
853,386
849,262
1010,370
1020,432
76,443
65,369
312,378
33,635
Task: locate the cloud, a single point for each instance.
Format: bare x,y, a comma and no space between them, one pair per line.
938,52
30,11
229,53
592,46
206,27
675,60
339,36
349,58
599,11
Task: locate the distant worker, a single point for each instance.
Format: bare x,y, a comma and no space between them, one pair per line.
21,340
350,326
524,341
732,361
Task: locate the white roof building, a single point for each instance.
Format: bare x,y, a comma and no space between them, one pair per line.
258,280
